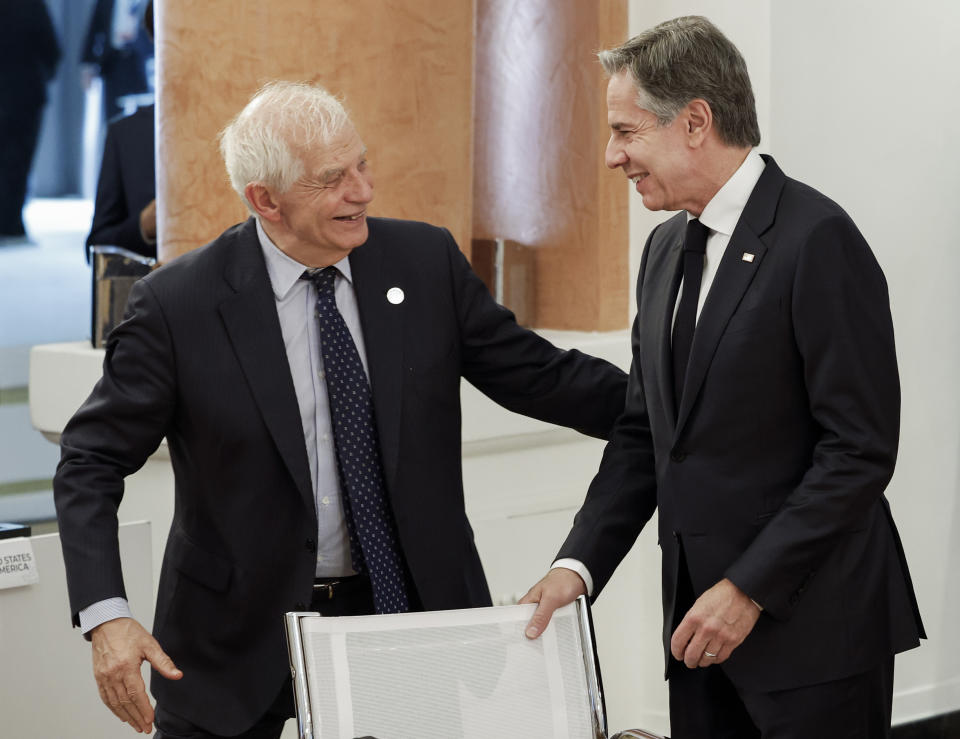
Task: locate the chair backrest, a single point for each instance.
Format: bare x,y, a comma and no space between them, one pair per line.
469,673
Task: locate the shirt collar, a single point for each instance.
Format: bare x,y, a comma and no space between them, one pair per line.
723,211
283,270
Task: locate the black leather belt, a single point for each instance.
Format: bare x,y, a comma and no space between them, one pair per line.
329,586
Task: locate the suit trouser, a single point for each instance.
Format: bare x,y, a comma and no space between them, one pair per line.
706,704
353,600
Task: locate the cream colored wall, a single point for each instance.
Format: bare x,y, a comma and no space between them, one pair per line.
865,108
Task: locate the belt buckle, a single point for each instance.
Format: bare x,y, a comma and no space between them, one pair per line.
329,586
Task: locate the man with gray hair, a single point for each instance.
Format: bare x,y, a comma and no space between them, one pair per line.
761,424
304,368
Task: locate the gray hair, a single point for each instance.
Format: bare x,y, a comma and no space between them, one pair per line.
687,58
266,141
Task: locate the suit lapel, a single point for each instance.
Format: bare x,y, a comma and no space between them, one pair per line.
663,298
733,277
250,318
382,323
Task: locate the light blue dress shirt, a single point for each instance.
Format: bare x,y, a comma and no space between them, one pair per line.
296,308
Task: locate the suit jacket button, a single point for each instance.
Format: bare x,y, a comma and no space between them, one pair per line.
311,546
678,456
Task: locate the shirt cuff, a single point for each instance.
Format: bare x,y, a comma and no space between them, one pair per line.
102,611
577,566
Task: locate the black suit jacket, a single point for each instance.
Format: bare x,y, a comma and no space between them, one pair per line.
200,360
772,470
127,184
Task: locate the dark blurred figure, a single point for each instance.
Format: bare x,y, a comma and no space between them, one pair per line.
29,54
117,49
125,212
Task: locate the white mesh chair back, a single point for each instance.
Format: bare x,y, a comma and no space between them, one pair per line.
470,674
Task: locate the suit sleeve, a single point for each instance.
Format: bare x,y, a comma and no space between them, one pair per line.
524,372
844,333
623,494
111,436
113,224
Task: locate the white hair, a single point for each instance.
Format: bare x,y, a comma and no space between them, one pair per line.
266,141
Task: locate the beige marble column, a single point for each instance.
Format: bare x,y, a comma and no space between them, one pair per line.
540,133
404,68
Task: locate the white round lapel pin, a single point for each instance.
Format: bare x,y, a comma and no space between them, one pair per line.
395,295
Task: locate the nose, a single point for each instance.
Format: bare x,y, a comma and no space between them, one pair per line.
361,187
614,156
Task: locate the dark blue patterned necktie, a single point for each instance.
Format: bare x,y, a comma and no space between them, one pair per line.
370,524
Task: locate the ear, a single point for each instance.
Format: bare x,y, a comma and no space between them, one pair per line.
699,120
263,201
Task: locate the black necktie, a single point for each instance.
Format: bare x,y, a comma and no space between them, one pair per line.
694,245
373,538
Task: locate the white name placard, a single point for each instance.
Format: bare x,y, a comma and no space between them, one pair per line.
18,566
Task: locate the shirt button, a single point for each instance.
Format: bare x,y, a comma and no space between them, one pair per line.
325,437
325,500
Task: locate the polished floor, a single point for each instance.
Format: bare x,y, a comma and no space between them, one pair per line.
46,280
45,287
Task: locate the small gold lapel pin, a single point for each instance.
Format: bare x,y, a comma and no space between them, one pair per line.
747,257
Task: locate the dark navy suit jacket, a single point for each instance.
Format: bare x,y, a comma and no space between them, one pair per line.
772,471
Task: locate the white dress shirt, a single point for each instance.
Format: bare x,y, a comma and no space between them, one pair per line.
720,215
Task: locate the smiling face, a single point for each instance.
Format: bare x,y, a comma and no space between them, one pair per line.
658,159
323,216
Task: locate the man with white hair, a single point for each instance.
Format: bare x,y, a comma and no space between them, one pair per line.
305,370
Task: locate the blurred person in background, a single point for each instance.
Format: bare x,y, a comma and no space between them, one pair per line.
29,55
125,212
116,49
